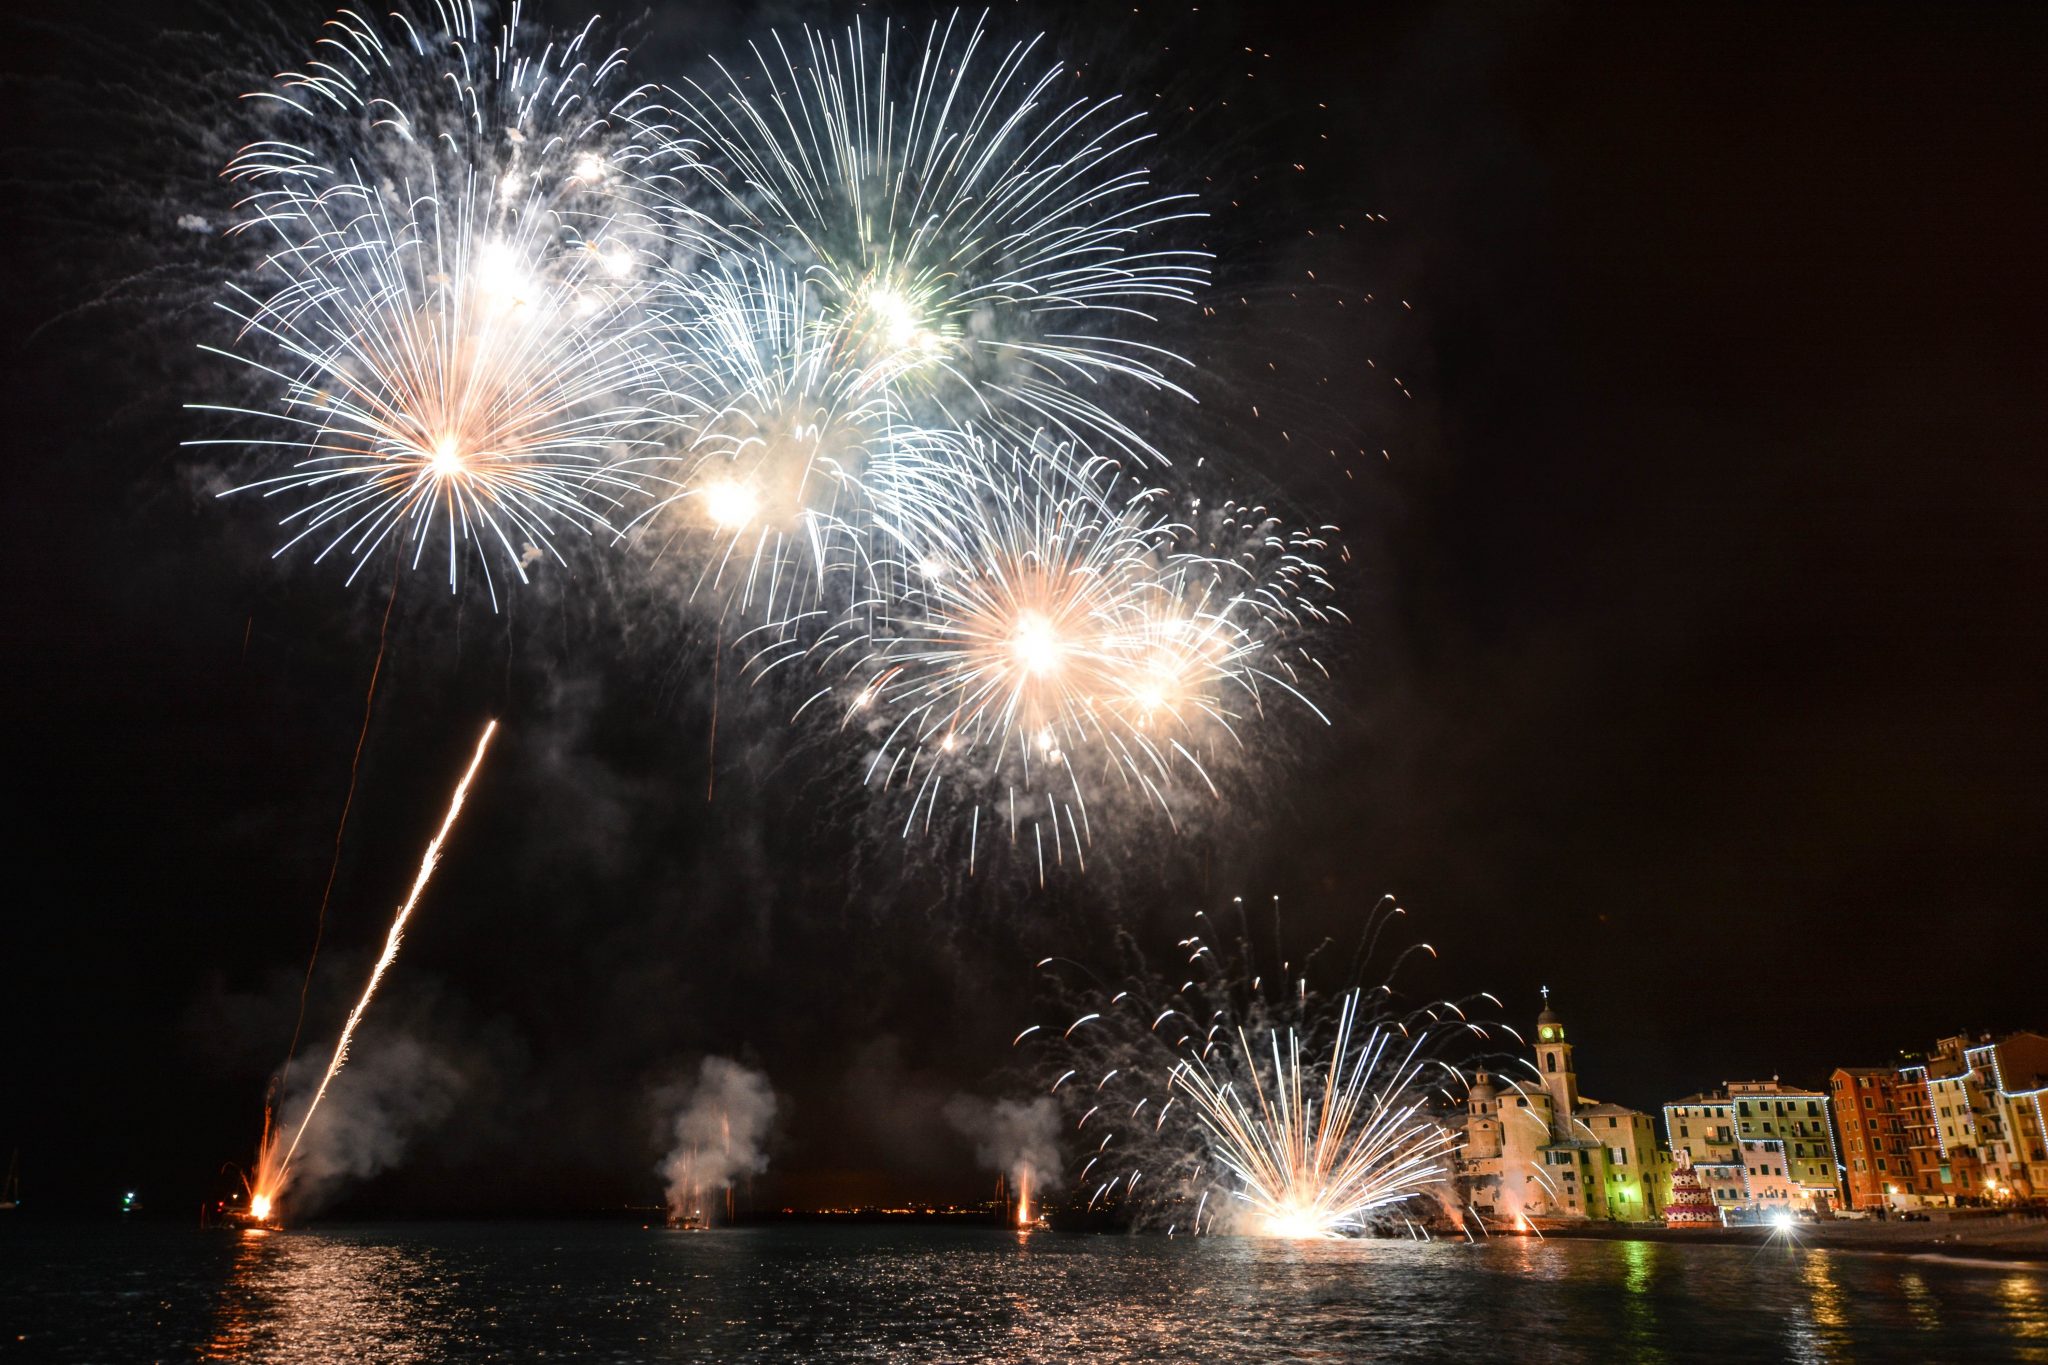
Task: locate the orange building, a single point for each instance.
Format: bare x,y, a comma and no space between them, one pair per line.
1966,1124
1874,1139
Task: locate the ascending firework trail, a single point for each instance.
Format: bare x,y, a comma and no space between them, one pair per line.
273,1170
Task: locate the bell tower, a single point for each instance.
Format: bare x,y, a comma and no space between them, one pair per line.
1554,1062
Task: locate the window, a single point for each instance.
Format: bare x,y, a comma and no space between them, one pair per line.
1869,1103
1880,1164
1550,1061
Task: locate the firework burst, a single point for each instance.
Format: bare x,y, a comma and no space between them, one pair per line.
1318,1140
1221,1105
982,239
446,314
1059,642
774,422
852,338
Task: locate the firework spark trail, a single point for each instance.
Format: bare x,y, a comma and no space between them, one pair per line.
348,801
271,1178
1315,1157
1266,1114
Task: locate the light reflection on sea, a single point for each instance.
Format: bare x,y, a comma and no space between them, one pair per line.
477,1292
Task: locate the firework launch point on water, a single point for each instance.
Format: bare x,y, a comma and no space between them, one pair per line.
1220,1105
274,1157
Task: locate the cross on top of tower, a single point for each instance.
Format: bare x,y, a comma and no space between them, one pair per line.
1544,991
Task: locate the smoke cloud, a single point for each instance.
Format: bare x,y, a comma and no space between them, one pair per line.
1019,1139
721,1133
392,1091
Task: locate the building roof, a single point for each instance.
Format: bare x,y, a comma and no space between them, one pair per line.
1604,1109
1711,1097
1772,1087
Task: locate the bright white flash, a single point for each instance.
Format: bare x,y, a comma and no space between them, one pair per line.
1036,644
730,504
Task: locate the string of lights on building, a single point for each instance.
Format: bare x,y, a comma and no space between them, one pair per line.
1961,1126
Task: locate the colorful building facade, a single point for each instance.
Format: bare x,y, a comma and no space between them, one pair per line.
1759,1148
1873,1107
1974,1113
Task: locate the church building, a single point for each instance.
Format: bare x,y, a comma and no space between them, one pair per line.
1535,1148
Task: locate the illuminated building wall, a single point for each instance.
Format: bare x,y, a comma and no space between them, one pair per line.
1802,1121
1871,1110
1759,1146
1976,1116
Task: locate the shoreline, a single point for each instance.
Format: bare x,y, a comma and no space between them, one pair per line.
2025,1244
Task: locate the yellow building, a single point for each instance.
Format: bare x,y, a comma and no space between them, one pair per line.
1759,1147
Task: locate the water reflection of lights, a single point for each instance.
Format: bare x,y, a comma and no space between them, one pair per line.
1638,1256
2022,1295
298,1296
235,1321
1639,1306
1816,1328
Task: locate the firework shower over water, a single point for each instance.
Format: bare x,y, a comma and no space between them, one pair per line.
858,337
1231,1104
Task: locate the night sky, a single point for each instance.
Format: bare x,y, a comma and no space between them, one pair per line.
1694,563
